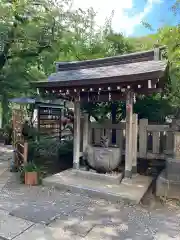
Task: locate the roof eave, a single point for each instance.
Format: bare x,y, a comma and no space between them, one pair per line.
109,80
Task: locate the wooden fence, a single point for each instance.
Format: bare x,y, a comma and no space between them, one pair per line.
21,155
153,141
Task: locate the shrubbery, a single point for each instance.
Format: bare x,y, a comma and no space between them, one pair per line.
50,154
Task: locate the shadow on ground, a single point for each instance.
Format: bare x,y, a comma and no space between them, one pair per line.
81,217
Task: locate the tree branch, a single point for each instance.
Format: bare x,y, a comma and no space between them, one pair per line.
26,53
3,55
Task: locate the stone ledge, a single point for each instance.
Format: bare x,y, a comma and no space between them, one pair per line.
131,191
108,178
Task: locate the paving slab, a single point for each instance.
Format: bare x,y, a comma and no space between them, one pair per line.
114,233
39,232
3,167
41,213
10,226
130,190
75,225
101,232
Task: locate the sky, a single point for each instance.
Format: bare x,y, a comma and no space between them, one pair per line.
129,14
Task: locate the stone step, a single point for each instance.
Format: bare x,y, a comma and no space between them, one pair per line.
130,190
105,178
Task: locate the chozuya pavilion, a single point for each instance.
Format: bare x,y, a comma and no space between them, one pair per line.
107,79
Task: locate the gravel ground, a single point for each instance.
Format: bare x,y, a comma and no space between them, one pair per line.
82,217
86,217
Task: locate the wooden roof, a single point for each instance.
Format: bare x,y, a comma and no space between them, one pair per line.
130,70
124,72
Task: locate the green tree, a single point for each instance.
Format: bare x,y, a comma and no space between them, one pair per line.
26,30
170,36
35,34
168,103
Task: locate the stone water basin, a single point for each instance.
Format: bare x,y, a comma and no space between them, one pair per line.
104,159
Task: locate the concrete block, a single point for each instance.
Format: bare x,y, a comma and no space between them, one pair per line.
167,188
131,191
108,178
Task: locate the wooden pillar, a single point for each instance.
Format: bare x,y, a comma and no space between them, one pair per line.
156,142
76,149
134,143
113,118
25,152
85,131
143,123
128,154
169,142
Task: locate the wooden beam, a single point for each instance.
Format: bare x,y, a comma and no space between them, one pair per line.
106,125
105,95
85,83
157,128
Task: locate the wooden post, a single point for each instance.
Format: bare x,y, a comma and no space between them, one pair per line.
97,135
85,131
25,152
76,149
143,138
119,139
113,118
128,154
134,144
169,142
156,142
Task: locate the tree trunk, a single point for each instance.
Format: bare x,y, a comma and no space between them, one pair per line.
5,110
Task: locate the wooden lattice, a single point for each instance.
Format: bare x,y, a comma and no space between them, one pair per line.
18,119
20,145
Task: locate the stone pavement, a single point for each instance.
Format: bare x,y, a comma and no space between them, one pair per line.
5,157
41,213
